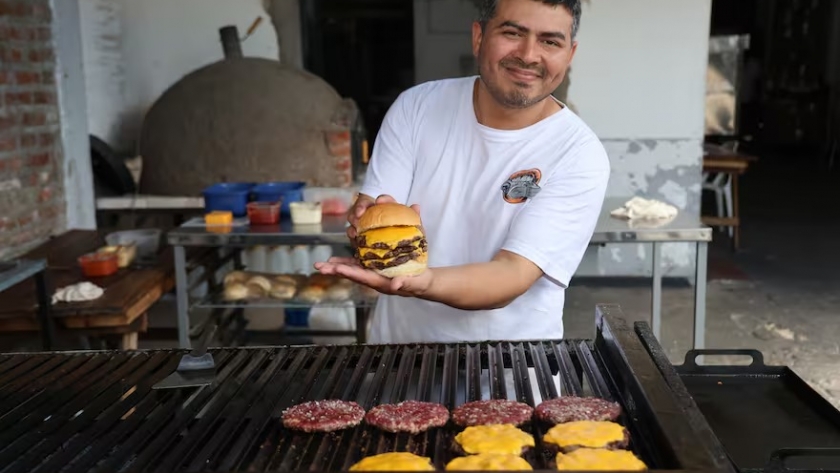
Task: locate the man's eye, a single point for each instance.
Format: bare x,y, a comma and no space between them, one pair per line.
511,33
551,43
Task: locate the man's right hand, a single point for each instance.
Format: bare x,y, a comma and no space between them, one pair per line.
358,209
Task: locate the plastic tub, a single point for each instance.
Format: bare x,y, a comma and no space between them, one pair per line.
334,200
306,213
264,213
232,196
297,317
146,239
284,192
97,265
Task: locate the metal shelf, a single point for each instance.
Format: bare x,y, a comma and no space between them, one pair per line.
217,301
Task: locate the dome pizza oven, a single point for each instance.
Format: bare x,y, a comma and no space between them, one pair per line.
248,119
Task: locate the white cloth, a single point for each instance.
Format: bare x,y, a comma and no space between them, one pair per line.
83,291
645,209
432,151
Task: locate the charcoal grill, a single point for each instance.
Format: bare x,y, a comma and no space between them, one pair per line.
96,411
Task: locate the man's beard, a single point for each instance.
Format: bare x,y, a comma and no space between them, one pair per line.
516,98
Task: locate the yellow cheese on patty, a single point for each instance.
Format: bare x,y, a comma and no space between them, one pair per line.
380,253
394,461
489,462
585,433
599,459
391,235
498,438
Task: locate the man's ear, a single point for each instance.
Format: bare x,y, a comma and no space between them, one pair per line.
477,35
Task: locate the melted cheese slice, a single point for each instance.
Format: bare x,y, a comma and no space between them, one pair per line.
598,459
391,235
380,253
489,462
394,461
498,438
586,433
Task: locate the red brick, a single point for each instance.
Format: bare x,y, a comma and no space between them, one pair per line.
5,33
6,8
38,160
28,140
7,123
338,143
44,34
343,164
41,97
8,144
18,98
26,219
25,78
34,119
22,33
42,12
5,77
6,224
23,9
11,55
48,77
47,139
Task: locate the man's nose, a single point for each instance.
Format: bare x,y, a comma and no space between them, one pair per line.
528,51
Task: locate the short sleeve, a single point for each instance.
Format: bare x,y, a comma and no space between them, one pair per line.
391,167
555,227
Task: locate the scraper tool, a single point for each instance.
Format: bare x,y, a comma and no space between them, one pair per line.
196,368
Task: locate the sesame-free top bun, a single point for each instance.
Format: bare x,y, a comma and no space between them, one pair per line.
388,215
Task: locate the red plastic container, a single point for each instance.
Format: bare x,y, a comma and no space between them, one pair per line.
97,265
264,213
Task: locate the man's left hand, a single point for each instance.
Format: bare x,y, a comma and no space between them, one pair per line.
407,286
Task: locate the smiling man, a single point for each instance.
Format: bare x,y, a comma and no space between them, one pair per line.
508,182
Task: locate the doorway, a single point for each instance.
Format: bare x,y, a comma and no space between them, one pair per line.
363,48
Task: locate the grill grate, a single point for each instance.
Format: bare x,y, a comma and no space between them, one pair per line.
97,412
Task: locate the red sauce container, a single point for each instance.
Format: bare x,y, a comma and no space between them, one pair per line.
97,265
264,213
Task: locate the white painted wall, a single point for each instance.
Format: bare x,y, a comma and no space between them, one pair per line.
134,51
77,171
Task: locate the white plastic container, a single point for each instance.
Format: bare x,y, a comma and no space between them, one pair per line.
305,213
301,264
334,200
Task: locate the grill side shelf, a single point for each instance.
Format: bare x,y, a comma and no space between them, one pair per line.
646,396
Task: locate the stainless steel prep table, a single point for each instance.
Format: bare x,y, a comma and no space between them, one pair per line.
683,228
609,230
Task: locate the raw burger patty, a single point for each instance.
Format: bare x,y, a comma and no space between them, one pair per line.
408,416
571,408
492,411
323,416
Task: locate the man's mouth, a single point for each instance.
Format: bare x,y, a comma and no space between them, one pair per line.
523,75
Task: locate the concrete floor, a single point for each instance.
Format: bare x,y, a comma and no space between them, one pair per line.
785,298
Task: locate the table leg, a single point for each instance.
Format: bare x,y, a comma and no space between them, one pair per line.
42,293
736,234
656,301
362,314
182,297
700,295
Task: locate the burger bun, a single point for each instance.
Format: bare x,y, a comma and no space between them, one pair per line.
388,215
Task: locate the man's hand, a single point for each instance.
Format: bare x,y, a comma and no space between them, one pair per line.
407,286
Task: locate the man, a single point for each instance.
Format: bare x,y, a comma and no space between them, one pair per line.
508,181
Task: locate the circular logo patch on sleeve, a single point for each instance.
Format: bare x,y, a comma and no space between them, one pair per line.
521,186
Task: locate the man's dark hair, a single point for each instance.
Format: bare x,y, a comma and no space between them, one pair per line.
487,10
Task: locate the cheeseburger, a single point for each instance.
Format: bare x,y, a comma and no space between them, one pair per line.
389,241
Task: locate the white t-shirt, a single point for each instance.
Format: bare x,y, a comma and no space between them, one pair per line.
536,192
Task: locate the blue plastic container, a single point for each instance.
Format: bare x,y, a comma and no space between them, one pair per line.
285,192
297,317
232,196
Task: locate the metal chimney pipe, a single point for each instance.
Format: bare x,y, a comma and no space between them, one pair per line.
230,42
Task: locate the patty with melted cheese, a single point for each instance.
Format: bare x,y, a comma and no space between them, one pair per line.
496,439
586,434
489,462
599,459
394,461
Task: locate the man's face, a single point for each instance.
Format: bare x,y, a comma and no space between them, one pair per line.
524,51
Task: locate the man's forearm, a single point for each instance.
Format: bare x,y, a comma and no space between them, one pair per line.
479,286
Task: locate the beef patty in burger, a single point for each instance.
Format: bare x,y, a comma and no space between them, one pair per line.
390,241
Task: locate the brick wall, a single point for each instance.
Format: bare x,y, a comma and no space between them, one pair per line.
31,196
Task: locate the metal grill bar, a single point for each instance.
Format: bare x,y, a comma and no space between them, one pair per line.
98,412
